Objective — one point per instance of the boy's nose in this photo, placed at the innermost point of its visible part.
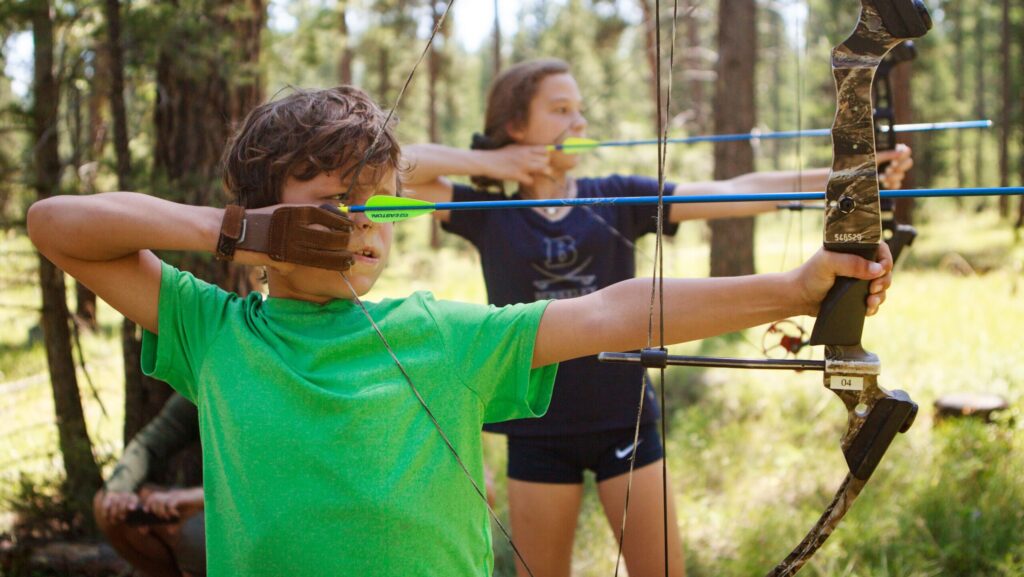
(361, 221)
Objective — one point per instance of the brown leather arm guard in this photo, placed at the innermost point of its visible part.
(288, 235)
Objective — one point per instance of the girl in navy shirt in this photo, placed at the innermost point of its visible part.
(555, 253)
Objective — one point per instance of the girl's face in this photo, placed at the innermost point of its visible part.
(556, 113)
(370, 242)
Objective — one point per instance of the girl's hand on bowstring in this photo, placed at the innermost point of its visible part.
(816, 276)
(521, 163)
(900, 162)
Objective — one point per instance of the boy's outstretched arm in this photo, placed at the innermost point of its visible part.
(105, 241)
(616, 318)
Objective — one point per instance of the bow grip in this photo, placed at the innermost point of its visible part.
(840, 319)
(892, 414)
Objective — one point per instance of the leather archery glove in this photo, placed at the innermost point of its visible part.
(303, 235)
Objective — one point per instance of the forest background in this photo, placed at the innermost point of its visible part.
(105, 95)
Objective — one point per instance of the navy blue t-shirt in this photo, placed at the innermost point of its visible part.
(526, 257)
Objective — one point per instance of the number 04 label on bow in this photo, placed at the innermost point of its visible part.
(846, 383)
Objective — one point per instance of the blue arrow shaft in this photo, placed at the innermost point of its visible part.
(899, 128)
(692, 199)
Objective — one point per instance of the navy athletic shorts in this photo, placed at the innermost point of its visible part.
(564, 458)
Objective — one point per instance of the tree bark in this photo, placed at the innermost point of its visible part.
(496, 47)
(1020, 117)
(956, 15)
(650, 43)
(345, 61)
(434, 69)
(137, 387)
(203, 88)
(384, 74)
(732, 240)
(903, 112)
(1005, 125)
(695, 67)
(85, 299)
(83, 474)
(979, 93)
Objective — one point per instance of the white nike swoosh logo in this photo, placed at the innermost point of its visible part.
(625, 451)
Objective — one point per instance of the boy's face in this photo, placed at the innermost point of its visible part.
(370, 242)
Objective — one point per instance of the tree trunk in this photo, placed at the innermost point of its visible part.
(345, 61)
(732, 240)
(1020, 117)
(903, 113)
(83, 474)
(434, 69)
(245, 24)
(85, 299)
(137, 387)
(779, 34)
(956, 15)
(1005, 125)
(979, 94)
(650, 43)
(384, 73)
(203, 87)
(695, 67)
(496, 47)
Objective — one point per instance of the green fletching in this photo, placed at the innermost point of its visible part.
(411, 207)
(574, 145)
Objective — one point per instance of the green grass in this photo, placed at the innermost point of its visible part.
(753, 456)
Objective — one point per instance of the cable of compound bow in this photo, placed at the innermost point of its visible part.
(898, 235)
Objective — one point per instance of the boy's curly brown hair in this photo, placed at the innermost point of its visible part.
(307, 133)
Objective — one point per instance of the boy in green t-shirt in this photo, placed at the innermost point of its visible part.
(339, 440)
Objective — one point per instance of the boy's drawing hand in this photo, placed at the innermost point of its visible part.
(818, 274)
(519, 163)
(282, 236)
(115, 505)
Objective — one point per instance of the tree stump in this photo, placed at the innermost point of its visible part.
(973, 405)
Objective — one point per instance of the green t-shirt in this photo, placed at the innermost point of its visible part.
(318, 459)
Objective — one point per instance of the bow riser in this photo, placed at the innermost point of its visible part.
(853, 219)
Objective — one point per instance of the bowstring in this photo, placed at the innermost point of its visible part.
(662, 167)
(690, 9)
(657, 287)
(437, 425)
(800, 45)
(380, 334)
(798, 218)
(398, 99)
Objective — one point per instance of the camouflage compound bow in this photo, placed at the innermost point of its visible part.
(852, 225)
